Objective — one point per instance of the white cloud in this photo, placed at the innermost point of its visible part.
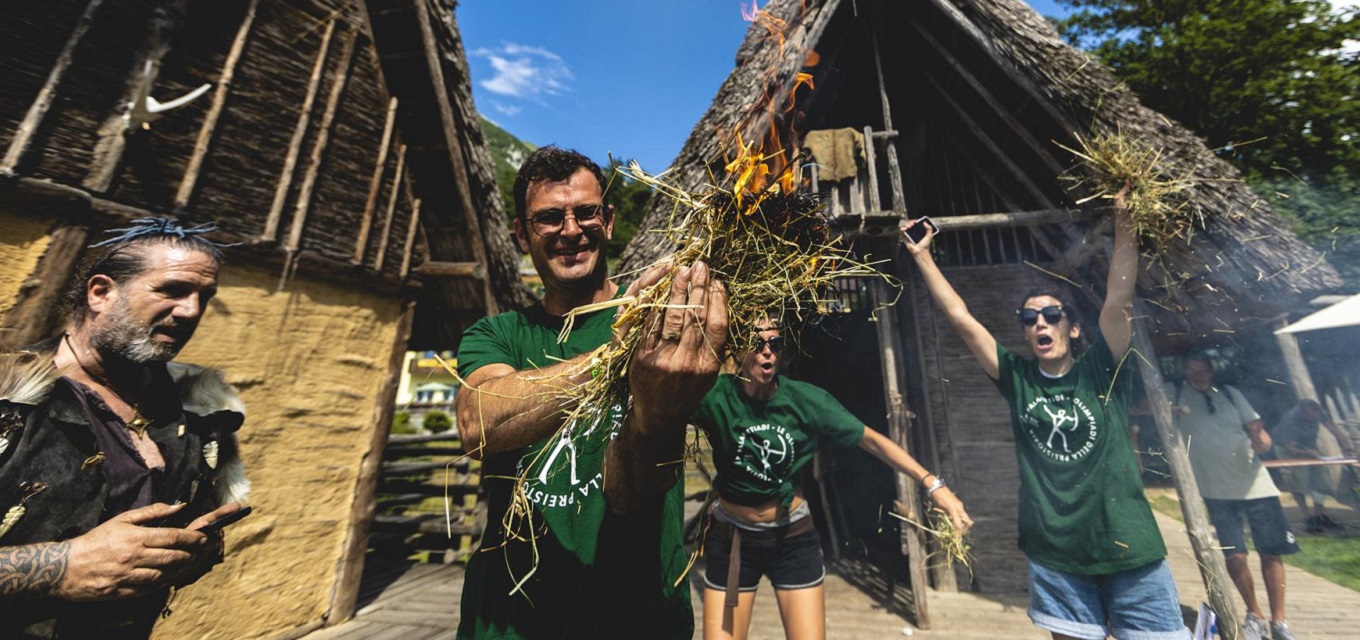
(525, 72)
(507, 109)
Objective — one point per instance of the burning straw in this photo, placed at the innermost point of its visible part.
(1157, 204)
(771, 246)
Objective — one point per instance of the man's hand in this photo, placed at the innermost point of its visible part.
(1260, 440)
(125, 558)
(952, 507)
(676, 360)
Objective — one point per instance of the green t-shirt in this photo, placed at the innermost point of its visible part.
(594, 574)
(1082, 508)
(759, 446)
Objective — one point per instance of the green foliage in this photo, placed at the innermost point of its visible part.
(507, 152)
(1267, 83)
(437, 421)
(1335, 559)
(629, 198)
(401, 423)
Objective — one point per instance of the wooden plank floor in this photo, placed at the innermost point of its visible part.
(420, 602)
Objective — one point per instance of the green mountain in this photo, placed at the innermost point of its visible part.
(507, 152)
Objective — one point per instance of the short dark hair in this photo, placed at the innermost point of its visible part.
(554, 164)
(1201, 356)
(125, 258)
(1073, 314)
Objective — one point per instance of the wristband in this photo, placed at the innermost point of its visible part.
(935, 486)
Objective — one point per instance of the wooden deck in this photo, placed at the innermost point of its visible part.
(420, 602)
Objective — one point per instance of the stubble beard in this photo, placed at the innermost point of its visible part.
(124, 336)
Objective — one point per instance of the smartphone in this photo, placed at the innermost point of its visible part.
(221, 523)
(917, 232)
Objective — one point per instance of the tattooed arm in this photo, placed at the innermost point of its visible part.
(32, 570)
(122, 558)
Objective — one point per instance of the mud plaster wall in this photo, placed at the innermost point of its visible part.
(24, 239)
(309, 363)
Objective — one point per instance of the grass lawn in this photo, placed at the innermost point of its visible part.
(1329, 556)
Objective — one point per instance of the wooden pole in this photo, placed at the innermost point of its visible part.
(205, 133)
(271, 225)
(1299, 377)
(28, 127)
(899, 428)
(34, 315)
(131, 111)
(323, 137)
(411, 228)
(351, 567)
(433, 59)
(890, 145)
(391, 210)
(375, 184)
(1208, 555)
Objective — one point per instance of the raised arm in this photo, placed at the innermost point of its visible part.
(675, 364)
(980, 341)
(1116, 316)
(894, 456)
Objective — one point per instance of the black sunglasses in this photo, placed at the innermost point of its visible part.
(587, 216)
(1052, 315)
(775, 343)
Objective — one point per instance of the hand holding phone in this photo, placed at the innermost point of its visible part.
(917, 232)
(216, 526)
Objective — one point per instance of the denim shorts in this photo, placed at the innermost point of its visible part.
(1137, 604)
(1269, 528)
(791, 562)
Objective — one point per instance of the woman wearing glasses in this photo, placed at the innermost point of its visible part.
(763, 428)
(1096, 559)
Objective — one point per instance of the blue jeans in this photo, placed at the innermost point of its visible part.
(1137, 604)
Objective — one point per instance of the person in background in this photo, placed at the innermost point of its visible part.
(763, 429)
(1296, 437)
(1225, 439)
(1097, 562)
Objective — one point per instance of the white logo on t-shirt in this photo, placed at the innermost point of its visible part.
(1060, 421)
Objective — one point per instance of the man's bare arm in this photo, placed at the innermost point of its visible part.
(501, 409)
(1116, 315)
(32, 570)
(673, 368)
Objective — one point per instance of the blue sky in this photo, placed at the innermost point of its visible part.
(627, 77)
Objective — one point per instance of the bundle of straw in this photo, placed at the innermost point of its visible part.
(1157, 203)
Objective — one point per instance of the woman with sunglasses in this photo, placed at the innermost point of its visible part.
(763, 429)
(1097, 562)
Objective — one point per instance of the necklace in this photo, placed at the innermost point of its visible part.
(138, 422)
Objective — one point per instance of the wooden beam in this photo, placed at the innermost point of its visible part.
(1015, 219)
(35, 313)
(899, 197)
(455, 147)
(1299, 378)
(470, 270)
(219, 102)
(375, 184)
(986, 141)
(986, 95)
(899, 428)
(271, 225)
(1004, 64)
(1208, 555)
(28, 127)
(412, 226)
(398, 179)
(351, 566)
(323, 137)
(130, 113)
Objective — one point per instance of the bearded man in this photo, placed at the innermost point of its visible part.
(112, 458)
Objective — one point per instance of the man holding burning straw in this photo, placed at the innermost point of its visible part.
(1097, 563)
(585, 530)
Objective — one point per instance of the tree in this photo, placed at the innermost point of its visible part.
(629, 198)
(436, 421)
(1269, 84)
(401, 423)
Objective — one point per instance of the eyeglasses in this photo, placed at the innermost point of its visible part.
(775, 343)
(1052, 315)
(588, 217)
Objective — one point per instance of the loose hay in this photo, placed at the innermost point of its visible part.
(1158, 204)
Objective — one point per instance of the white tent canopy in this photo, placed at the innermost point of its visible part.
(1342, 314)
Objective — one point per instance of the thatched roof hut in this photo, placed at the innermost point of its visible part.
(336, 141)
(960, 107)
